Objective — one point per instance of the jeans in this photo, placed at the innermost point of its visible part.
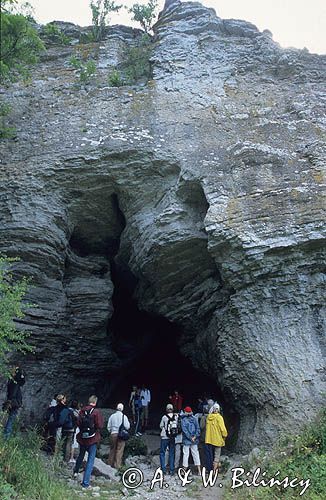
(138, 420)
(209, 456)
(10, 422)
(91, 450)
(166, 443)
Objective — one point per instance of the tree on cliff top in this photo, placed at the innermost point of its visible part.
(144, 14)
(20, 43)
(12, 293)
(101, 10)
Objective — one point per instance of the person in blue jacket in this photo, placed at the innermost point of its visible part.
(190, 438)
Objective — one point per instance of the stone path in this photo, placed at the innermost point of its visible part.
(108, 483)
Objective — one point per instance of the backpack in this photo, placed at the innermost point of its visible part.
(123, 434)
(87, 424)
(172, 428)
(50, 415)
(69, 423)
(138, 403)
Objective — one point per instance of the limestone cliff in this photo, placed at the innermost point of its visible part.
(206, 184)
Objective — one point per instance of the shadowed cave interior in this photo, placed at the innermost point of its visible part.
(149, 348)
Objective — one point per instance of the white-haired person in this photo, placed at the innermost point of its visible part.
(117, 444)
(214, 438)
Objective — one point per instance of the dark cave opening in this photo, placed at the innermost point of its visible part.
(149, 348)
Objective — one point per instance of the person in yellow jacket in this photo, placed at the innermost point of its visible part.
(214, 437)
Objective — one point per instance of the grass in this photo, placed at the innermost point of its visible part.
(23, 474)
(302, 456)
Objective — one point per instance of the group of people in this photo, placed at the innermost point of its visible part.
(70, 426)
(203, 435)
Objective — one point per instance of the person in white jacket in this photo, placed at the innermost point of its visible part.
(118, 445)
(145, 395)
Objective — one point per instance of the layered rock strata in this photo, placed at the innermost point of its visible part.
(206, 183)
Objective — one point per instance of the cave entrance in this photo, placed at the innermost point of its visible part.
(149, 349)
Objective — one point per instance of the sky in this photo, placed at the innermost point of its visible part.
(294, 23)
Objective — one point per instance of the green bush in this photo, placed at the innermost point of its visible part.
(134, 446)
(23, 473)
(144, 14)
(5, 131)
(20, 43)
(101, 9)
(55, 34)
(115, 79)
(12, 293)
(137, 66)
(86, 38)
(86, 69)
(302, 456)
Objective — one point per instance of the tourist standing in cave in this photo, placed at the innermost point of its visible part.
(145, 395)
(115, 422)
(138, 411)
(90, 422)
(177, 400)
(169, 430)
(190, 438)
(215, 437)
(14, 399)
(132, 403)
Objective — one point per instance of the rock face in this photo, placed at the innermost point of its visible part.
(206, 184)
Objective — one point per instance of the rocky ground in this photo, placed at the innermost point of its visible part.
(107, 483)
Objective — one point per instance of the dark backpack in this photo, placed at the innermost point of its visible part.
(123, 434)
(172, 428)
(50, 415)
(87, 424)
(69, 423)
(138, 403)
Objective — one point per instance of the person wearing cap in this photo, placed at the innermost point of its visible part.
(167, 442)
(190, 438)
(118, 445)
(215, 437)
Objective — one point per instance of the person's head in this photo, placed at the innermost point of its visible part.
(74, 404)
(134, 388)
(215, 408)
(188, 410)
(92, 400)
(61, 398)
(210, 403)
(13, 370)
(120, 407)
(169, 408)
(176, 392)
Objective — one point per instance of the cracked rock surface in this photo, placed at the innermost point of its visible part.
(207, 184)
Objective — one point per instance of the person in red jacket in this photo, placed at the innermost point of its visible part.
(90, 422)
(177, 401)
